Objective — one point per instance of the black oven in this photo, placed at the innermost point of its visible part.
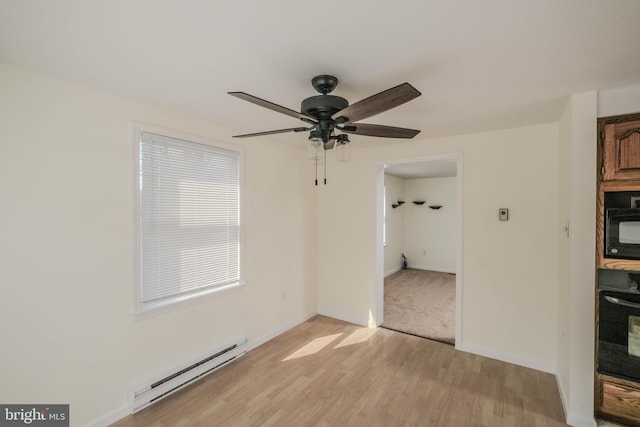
(619, 334)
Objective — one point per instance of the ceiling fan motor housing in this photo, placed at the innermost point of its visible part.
(323, 106)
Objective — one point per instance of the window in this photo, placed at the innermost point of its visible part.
(188, 219)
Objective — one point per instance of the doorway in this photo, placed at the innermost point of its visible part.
(423, 203)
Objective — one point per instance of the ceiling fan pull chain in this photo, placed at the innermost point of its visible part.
(325, 166)
(316, 162)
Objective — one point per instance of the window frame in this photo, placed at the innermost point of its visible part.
(138, 309)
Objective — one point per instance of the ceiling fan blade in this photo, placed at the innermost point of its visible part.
(379, 130)
(377, 103)
(272, 106)
(272, 132)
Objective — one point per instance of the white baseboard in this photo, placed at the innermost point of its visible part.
(111, 417)
(339, 316)
(256, 342)
(432, 268)
(509, 358)
(127, 409)
(395, 270)
(563, 397)
(574, 420)
(580, 421)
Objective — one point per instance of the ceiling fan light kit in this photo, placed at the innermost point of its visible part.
(325, 114)
(343, 152)
(315, 150)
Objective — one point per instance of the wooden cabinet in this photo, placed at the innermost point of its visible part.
(621, 153)
(619, 400)
(616, 399)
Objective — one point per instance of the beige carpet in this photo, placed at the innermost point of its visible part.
(422, 303)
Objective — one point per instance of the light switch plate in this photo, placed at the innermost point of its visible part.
(503, 214)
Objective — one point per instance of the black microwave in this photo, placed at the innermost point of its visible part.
(622, 233)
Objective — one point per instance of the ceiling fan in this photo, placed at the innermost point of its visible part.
(324, 113)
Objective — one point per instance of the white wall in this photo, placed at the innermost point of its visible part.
(509, 268)
(576, 302)
(576, 296)
(619, 101)
(66, 251)
(431, 236)
(394, 224)
(564, 254)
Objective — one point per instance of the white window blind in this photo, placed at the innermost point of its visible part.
(189, 205)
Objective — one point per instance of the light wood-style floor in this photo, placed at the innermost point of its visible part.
(326, 372)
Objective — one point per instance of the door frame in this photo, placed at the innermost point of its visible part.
(377, 313)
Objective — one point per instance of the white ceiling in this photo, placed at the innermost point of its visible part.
(427, 169)
(480, 65)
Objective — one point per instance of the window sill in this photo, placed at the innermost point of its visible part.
(152, 310)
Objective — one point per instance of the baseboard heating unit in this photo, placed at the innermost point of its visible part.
(162, 388)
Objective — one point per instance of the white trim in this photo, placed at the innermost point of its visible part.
(395, 270)
(377, 294)
(136, 130)
(257, 342)
(460, 246)
(563, 396)
(509, 358)
(338, 316)
(377, 291)
(138, 127)
(430, 268)
(135, 310)
(579, 421)
(127, 409)
(187, 302)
